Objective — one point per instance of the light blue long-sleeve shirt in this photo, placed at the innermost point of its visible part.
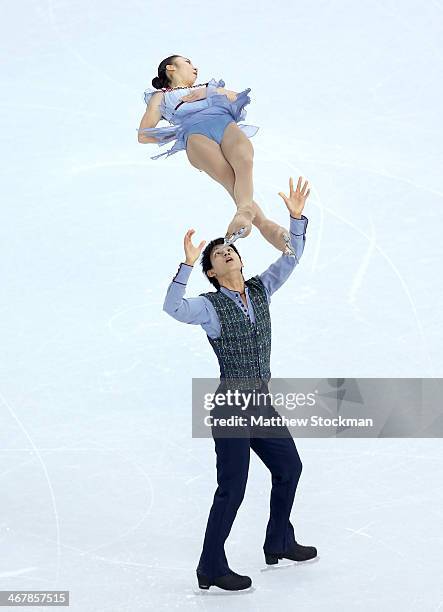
(200, 311)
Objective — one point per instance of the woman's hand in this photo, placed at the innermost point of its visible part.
(192, 252)
(196, 94)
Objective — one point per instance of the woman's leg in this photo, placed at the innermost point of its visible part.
(239, 153)
(206, 155)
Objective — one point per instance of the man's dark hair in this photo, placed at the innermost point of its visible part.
(206, 260)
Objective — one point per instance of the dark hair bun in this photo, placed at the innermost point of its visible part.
(156, 83)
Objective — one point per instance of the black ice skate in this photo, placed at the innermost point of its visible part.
(296, 552)
(228, 582)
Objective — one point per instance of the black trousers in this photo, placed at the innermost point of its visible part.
(276, 448)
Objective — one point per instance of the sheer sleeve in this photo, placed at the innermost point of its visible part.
(213, 84)
(149, 92)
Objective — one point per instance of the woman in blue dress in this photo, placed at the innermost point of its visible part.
(204, 122)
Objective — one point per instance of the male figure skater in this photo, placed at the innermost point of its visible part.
(237, 322)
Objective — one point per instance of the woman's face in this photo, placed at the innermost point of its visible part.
(184, 70)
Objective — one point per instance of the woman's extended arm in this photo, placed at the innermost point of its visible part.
(151, 117)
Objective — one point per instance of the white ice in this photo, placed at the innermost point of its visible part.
(103, 490)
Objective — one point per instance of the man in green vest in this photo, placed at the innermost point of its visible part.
(237, 322)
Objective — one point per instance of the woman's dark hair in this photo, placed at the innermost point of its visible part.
(162, 80)
(206, 260)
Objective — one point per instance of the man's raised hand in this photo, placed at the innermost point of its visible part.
(192, 252)
(296, 200)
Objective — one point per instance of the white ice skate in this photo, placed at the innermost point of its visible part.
(233, 237)
(289, 250)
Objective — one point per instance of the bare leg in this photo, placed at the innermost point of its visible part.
(205, 154)
(239, 153)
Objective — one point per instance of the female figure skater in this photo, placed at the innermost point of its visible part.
(203, 121)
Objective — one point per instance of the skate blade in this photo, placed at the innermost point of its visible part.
(233, 237)
(285, 563)
(215, 591)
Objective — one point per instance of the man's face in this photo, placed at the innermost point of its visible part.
(224, 259)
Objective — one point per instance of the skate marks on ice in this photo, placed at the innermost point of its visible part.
(373, 246)
(47, 478)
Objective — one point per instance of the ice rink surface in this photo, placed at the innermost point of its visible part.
(104, 491)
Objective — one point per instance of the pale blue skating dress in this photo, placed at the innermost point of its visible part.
(190, 113)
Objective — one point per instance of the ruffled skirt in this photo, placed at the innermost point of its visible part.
(216, 105)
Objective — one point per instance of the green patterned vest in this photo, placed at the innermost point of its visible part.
(243, 349)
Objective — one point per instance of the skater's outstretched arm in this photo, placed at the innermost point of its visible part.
(279, 271)
(197, 310)
(151, 117)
